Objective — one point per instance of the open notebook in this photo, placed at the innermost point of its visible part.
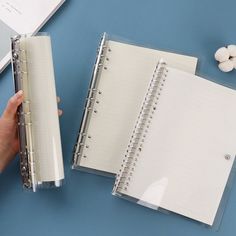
(40, 143)
(182, 148)
(120, 80)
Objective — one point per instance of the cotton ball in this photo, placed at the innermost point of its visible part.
(233, 59)
(222, 54)
(232, 50)
(226, 66)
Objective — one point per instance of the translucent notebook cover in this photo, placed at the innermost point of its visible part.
(181, 154)
(41, 160)
(119, 82)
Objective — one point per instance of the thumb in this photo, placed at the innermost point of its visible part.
(12, 105)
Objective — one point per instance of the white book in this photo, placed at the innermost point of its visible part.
(120, 79)
(182, 148)
(22, 17)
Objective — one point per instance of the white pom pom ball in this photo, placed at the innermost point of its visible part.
(232, 50)
(226, 66)
(233, 59)
(222, 54)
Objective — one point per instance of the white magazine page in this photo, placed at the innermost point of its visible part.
(22, 17)
(26, 16)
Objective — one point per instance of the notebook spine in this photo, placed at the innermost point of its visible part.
(150, 104)
(91, 101)
(20, 75)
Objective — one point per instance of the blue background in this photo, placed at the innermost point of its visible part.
(84, 205)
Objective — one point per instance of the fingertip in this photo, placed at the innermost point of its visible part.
(60, 112)
(19, 97)
(19, 94)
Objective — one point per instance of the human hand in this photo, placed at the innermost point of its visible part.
(9, 142)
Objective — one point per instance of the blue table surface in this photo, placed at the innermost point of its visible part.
(84, 205)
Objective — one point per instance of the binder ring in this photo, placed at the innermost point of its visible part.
(92, 102)
(26, 146)
(142, 126)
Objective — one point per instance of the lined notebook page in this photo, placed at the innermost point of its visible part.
(45, 123)
(182, 165)
(123, 86)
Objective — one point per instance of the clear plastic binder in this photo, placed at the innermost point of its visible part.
(41, 160)
(119, 80)
(181, 154)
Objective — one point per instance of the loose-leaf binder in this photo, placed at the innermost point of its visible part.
(120, 78)
(41, 161)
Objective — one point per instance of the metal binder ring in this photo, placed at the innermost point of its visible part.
(90, 99)
(15, 55)
(142, 125)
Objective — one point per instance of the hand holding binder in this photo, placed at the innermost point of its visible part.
(38, 126)
(9, 143)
